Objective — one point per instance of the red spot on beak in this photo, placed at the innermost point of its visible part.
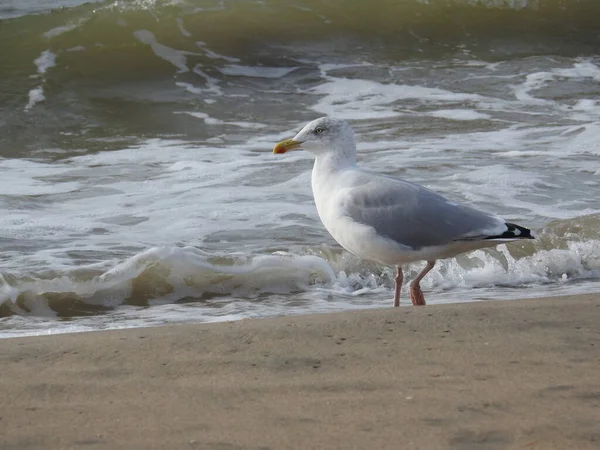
(284, 146)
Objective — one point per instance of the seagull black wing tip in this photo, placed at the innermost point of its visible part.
(514, 231)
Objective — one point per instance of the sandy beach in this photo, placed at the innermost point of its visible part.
(488, 375)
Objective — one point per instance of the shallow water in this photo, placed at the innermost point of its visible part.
(139, 186)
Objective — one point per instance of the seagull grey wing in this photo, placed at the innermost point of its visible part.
(415, 216)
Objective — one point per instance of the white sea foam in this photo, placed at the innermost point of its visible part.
(182, 29)
(212, 121)
(45, 61)
(211, 86)
(36, 95)
(586, 142)
(353, 99)
(213, 55)
(459, 114)
(175, 57)
(256, 72)
(583, 70)
(171, 274)
(57, 31)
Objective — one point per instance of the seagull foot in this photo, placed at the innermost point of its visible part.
(416, 296)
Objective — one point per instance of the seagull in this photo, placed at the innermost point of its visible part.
(386, 219)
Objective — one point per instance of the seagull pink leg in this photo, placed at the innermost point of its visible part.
(399, 278)
(416, 294)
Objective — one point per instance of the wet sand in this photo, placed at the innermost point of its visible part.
(522, 374)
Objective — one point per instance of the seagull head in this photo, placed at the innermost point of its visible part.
(322, 136)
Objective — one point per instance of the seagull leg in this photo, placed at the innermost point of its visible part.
(416, 294)
(399, 278)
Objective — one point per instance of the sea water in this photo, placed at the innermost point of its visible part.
(138, 185)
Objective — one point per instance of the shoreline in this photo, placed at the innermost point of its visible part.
(75, 327)
(478, 375)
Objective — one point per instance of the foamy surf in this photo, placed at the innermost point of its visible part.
(215, 286)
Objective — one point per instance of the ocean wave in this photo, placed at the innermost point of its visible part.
(149, 38)
(77, 68)
(565, 251)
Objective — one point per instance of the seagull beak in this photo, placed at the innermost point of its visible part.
(284, 146)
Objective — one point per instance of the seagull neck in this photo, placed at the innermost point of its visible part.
(333, 162)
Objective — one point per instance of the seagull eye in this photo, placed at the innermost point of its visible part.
(318, 130)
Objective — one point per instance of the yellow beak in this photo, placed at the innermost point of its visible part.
(284, 146)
